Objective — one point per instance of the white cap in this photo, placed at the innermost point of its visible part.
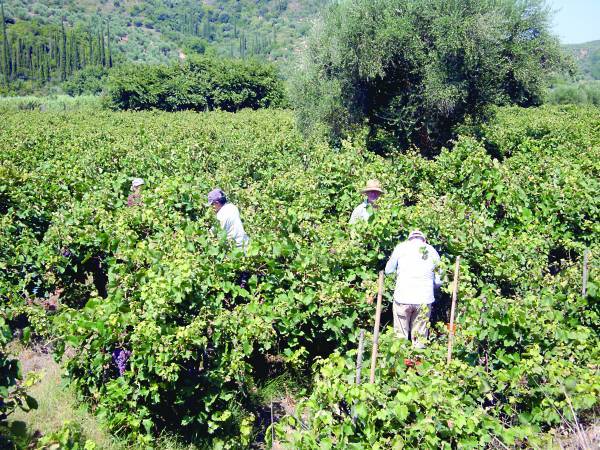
(414, 234)
(137, 182)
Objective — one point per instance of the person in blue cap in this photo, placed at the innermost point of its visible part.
(229, 217)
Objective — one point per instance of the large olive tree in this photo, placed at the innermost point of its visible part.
(413, 69)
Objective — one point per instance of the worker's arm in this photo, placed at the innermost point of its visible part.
(356, 215)
(392, 264)
(437, 271)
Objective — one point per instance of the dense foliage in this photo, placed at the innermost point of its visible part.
(166, 337)
(198, 84)
(528, 342)
(412, 70)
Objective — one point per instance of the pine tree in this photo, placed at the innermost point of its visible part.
(5, 53)
(15, 60)
(63, 52)
(110, 60)
(102, 49)
(91, 48)
(78, 54)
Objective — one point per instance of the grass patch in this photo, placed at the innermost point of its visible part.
(55, 103)
(56, 405)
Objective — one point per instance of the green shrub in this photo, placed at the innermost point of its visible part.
(68, 437)
(581, 93)
(90, 81)
(202, 83)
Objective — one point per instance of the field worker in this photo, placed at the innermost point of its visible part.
(363, 211)
(135, 198)
(416, 264)
(229, 217)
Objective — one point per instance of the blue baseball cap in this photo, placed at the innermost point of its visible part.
(216, 195)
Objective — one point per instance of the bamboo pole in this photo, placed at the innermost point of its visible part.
(452, 309)
(376, 329)
(584, 280)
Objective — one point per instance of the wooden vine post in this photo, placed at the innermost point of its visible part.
(376, 329)
(584, 279)
(361, 347)
(272, 427)
(452, 309)
(359, 356)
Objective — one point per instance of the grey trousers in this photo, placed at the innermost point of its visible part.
(412, 322)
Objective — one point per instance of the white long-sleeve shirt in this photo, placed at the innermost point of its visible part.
(229, 218)
(361, 212)
(416, 265)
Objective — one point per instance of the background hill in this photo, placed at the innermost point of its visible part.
(159, 30)
(587, 56)
(47, 42)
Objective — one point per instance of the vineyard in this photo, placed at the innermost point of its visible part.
(146, 304)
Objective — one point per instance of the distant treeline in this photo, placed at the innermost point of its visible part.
(585, 92)
(41, 53)
(200, 84)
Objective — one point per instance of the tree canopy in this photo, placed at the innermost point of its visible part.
(413, 69)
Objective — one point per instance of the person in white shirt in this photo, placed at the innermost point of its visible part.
(416, 264)
(229, 218)
(362, 212)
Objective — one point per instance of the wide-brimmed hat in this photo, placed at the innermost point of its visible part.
(137, 182)
(373, 186)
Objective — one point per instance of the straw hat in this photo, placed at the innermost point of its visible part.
(373, 185)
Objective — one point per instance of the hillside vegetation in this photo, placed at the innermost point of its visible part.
(167, 339)
(158, 30)
(587, 56)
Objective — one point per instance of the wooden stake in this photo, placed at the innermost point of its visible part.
(584, 281)
(452, 309)
(361, 346)
(359, 356)
(376, 329)
(272, 427)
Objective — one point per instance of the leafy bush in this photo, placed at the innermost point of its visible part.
(13, 388)
(55, 103)
(167, 338)
(582, 93)
(199, 84)
(90, 81)
(69, 436)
